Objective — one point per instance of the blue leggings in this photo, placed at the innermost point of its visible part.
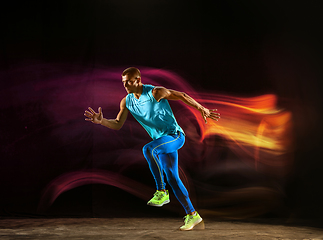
(161, 155)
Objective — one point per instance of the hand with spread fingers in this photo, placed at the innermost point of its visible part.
(209, 113)
(94, 117)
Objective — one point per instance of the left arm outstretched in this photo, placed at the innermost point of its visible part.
(161, 92)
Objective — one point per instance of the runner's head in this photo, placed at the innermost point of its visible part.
(131, 79)
(132, 72)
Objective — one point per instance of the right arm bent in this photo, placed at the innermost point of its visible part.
(115, 124)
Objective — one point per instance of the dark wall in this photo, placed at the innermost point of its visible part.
(51, 50)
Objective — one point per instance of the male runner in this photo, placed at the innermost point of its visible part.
(149, 106)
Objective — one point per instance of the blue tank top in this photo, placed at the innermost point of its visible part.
(157, 118)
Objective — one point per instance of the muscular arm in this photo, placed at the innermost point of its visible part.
(161, 92)
(115, 124)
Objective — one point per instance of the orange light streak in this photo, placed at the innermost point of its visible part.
(254, 128)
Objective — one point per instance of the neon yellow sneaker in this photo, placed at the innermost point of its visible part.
(160, 198)
(191, 221)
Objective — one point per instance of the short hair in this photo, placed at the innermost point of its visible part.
(132, 71)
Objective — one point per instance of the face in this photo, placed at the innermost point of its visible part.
(130, 83)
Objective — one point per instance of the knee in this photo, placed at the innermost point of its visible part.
(146, 150)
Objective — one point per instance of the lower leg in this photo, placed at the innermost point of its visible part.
(154, 165)
(170, 166)
(182, 196)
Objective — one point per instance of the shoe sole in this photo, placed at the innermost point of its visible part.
(198, 226)
(158, 205)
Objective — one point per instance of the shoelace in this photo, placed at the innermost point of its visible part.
(159, 195)
(187, 218)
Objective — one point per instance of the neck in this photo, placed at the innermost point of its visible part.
(138, 93)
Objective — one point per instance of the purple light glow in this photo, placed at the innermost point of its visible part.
(257, 134)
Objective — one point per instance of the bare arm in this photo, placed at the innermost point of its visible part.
(115, 124)
(161, 92)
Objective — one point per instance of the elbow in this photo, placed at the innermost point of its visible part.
(118, 126)
(183, 96)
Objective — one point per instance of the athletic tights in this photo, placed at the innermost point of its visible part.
(161, 155)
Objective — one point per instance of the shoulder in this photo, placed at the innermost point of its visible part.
(160, 93)
(159, 89)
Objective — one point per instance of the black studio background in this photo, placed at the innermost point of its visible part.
(243, 48)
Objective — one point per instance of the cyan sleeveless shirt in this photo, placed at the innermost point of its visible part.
(157, 118)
